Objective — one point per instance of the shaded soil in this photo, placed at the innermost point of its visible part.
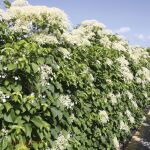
(141, 139)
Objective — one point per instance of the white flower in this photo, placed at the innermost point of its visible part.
(124, 126)
(76, 37)
(4, 100)
(138, 80)
(3, 76)
(23, 15)
(124, 70)
(126, 73)
(20, 3)
(4, 132)
(129, 94)
(137, 52)
(45, 39)
(105, 42)
(116, 143)
(144, 73)
(98, 62)
(72, 117)
(65, 52)
(107, 31)
(7, 96)
(66, 101)
(2, 97)
(145, 94)
(113, 98)
(5, 68)
(120, 46)
(92, 23)
(16, 78)
(103, 116)
(109, 62)
(122, 60)
(61, 142)
(91, 77)
(46, 72)
(128, 113)
(134, 104)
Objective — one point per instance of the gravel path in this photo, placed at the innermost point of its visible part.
(141, 139)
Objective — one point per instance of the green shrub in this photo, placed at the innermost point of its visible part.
(61, 89)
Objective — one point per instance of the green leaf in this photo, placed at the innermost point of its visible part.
(7, 4)
(35, 145)
(7, 106)
(76, 130)
(56, 113)
(37, 121)
(28, 69)
(11, 66)
(4, 143)
(35, 67)
(10, 117)
(18, 88)
(21, 146)
(54, 133)
(40, 60)
(28, 129)
(1, 67)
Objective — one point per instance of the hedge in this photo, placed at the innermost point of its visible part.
(82, 88)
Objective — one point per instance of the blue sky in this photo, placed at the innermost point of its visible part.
(130, 18)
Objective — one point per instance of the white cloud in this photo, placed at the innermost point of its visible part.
(140, 37)
(148, 37)
(143, 37)
(123, 30)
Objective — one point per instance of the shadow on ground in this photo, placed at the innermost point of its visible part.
(141, 139)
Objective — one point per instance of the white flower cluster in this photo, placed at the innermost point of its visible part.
(116, 143)
(61, 142)
(113, 98)
(72, 117)
(104, 32)
(124, 69)
(45, 39)
(129, 94)
(4, 132)
(130, 117)
(120, 45)
(21, 26)
(65, 52)
(3, 97)
(105, 42)
(20, 3)
(103, 116)
(124, 126)
(137, 52)
(76, 37)
(46, 72)
(109, 62)
(91, 24)
(3, 75)
(66, 101)
(85, 32)
(21, 17)
(143, 76)
(134, 104)
(91, 78)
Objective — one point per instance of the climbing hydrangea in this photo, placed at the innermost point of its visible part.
(103, 116)
(64, 87)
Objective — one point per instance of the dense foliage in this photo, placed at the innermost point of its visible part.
(61, 88)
